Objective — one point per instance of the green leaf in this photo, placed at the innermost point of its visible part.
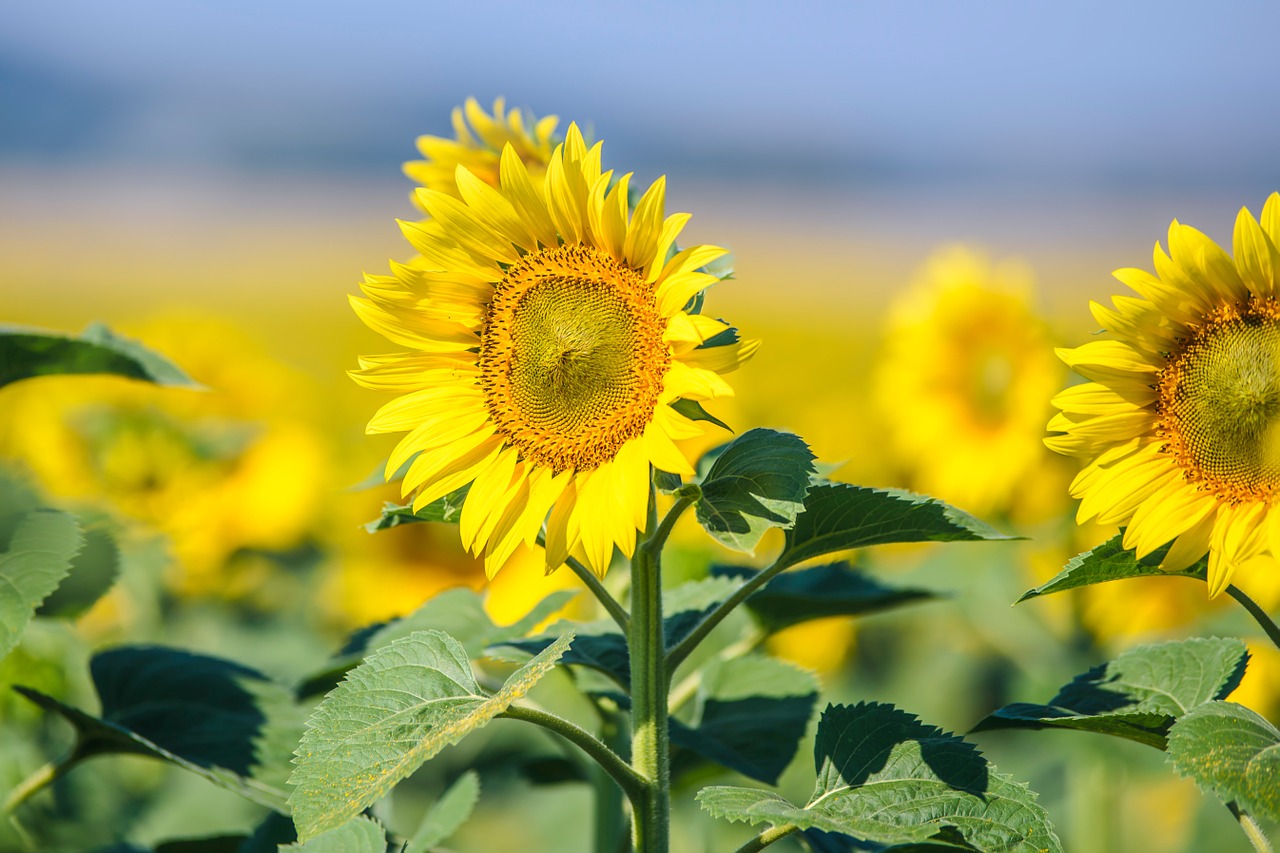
(666, 482)
(457, 612)
(838, 516)
(1139, 694)
(832, 589)
(1111, 562)
(448, 814)
(757, 481)
(749, 715)
(26, 353)
(40, 554)
(93, 572)
(447, 509)
(887, 778)
(693, 410)
(218, 719)
(361, 835)
(1230, 750)
(404, 704)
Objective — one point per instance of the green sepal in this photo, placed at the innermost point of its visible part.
(693, 410)
(1233, 752)
(26, 353)
(447, 509)
(1137, 696)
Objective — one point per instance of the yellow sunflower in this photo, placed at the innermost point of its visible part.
(962, 380)
(549, 343)
(478, 146)
(1181, 418)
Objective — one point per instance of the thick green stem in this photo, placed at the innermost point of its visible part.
(627, 778)
(1259, 615)
(767, 837)
(650, 747)
(1251, 829)
(677, 655)
(610, 828)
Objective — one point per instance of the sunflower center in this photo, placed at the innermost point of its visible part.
(1220, 403)
(572, 357)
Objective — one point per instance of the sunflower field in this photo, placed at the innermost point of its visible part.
(684, 470)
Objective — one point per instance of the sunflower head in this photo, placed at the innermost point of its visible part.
(478, 140)
(548, 338)
(1180, 421)
(962, 379)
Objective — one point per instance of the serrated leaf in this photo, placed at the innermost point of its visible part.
(458, 612)
(447, 814)
(27, 353)
(831, 589)
(220, 720)
(447, 510)
(749, 715)
(361, 835)
(93, 572)
(40, 554)
(1111, 562)
(757, 481)
(839, 516)
(1232, 751)
(1139, 694)
(885, 777)
(404, 704)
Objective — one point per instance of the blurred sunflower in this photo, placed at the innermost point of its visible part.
(549, 343)
(962, 379)
(478, 144)
(1181, 418)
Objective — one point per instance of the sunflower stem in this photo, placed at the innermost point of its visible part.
(34, 784)
(606, 758)
(1259, 615)
(1251, 829)
(616, 610)
(767, 837)
(682, 649)
(650, 748)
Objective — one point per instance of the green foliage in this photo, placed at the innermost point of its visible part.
(887, 778)
(693, 410)
(361, 835)
(1138, 695)
(749, 715)
(1111, 562)
(457, 612)
(447, 509)
(1231, 751)
(39, 556)
(218, 719)
(26, 353)
(838, 517)
(816, 592)
(93, 572)
(400, 707)
(447, 815)
(754, 482)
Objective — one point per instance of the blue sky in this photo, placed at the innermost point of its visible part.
(1125, 94)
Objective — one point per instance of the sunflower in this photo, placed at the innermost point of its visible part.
(1181, 419)
(478, 147)
(550, 340)
(962, 379)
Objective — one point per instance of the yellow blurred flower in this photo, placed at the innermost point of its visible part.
(479, 138)
(962, 380)
(1180, 422)
(822, 645)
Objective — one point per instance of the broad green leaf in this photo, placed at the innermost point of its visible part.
(447, 509)
(1111, 562)
(40, 554)
(838, 516)
(404, 704)
(25, 353)
(749, 715)
(832, 589)
(1233, 752)
(1139, 694)
(448, 814)
(93, 572)
(361, 835)
(458, 612)
(755, 482)
(218, 719)
(887, 778)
